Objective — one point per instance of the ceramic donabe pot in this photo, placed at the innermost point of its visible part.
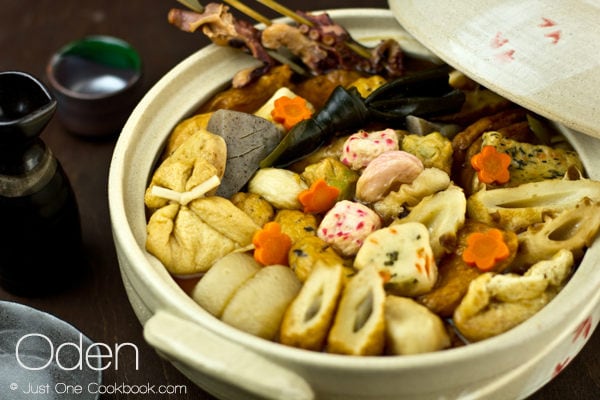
(232, 364)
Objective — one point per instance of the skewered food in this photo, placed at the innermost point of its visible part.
(322, 44)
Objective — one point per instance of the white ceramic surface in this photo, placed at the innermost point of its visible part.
(543, 55)
(231, 364)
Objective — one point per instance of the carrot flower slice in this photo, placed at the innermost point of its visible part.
(484, 249)
(491, 165)
(289, 111)
(320, 197)
(271, 245)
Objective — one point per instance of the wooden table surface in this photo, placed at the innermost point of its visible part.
(98, 306)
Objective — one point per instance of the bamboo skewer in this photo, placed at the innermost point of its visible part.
(261, 18)
(238, 5)
(358, 49)
(279, 8)
(283, 10)
(193, 5)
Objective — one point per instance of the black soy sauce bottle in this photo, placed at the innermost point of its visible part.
(40, 231)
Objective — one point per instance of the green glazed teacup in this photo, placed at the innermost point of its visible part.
(96, 81)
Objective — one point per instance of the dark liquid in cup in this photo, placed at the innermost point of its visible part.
(89, 77)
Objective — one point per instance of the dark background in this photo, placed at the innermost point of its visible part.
(29, 32)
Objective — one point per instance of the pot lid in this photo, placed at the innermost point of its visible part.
(542, 55)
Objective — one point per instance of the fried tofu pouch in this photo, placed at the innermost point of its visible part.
(201, 156)
(496, 303)
(184, 130)
(189, 239)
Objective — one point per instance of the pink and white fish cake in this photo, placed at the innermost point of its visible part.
(362, 147)
(346, 226)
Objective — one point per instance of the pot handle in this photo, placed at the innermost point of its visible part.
(186, 342)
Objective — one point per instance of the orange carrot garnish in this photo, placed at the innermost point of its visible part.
(491, 165)
(290, 111)
(271, 245)
(320, 197)
(484, 249)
